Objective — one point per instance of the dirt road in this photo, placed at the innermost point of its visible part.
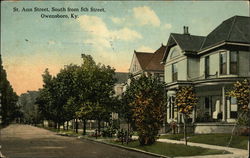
(24, 141)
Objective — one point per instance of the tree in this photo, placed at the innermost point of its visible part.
(241, 92)
(147, 100)
(99, 81)
(185, 100)
(9, 109)
(29, 108)
(65, 96)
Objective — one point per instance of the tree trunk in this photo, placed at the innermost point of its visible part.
(67, 125)
(84, 127)
(99, 126)
(76, 125)
(185, 129)
(57, 126)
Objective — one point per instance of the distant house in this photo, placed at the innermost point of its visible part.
(211, 64)
(148, 63)
(122, 78)
(119, 87)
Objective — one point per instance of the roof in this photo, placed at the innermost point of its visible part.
(155, 62)
(187, 42)
(121, 77)
(143, 58)
(234, 29)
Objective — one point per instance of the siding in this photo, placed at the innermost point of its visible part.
(244, 64)
(193, 67)
(168, 73)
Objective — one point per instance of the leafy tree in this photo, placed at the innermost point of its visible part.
(9, 108)
(241, 91)
(99, 82)
(147, 100)
(125, 111)
(29, 108)
(67, 95)
(186, 100)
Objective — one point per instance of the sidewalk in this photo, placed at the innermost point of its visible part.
(235, 153)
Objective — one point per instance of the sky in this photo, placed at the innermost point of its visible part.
(30, 43)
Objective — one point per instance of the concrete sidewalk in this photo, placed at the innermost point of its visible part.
(236, 153)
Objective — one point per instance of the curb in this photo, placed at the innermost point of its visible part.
(127, 148)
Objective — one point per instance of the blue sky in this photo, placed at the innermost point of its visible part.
(29, 43)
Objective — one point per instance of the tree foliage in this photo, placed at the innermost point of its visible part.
(29, 108)
(241, 91)
(186, 101)
(9, 109)
(146, 99)
(78, 92)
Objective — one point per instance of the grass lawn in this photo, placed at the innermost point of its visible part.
(213, 139)
(71, 132)
(172, 150)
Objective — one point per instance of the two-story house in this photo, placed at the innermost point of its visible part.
(211, 64)
(148, 63)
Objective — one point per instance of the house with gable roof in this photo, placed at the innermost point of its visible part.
(211, 64)
(148, 63)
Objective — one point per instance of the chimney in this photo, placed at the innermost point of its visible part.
(185, 28)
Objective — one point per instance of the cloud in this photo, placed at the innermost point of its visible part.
(146, 16)
(51, 42)
(126, 34)
(145, 49)
(100, 35)
(93, 25)
(167, 26)
(118, 20)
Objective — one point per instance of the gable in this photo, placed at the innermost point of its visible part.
(135, 65)
(174, 52)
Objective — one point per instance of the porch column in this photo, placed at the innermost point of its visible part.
(228, 109)
(223, 105)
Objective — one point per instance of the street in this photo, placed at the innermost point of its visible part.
(25, 141)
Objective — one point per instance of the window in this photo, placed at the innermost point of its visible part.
(174, 72)
(207, 73)
(233, 62)
(223, 63)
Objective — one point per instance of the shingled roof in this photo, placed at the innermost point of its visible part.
(143, 58)
(234, 29)
(190, 44)
(187, 42)
(155, 61)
